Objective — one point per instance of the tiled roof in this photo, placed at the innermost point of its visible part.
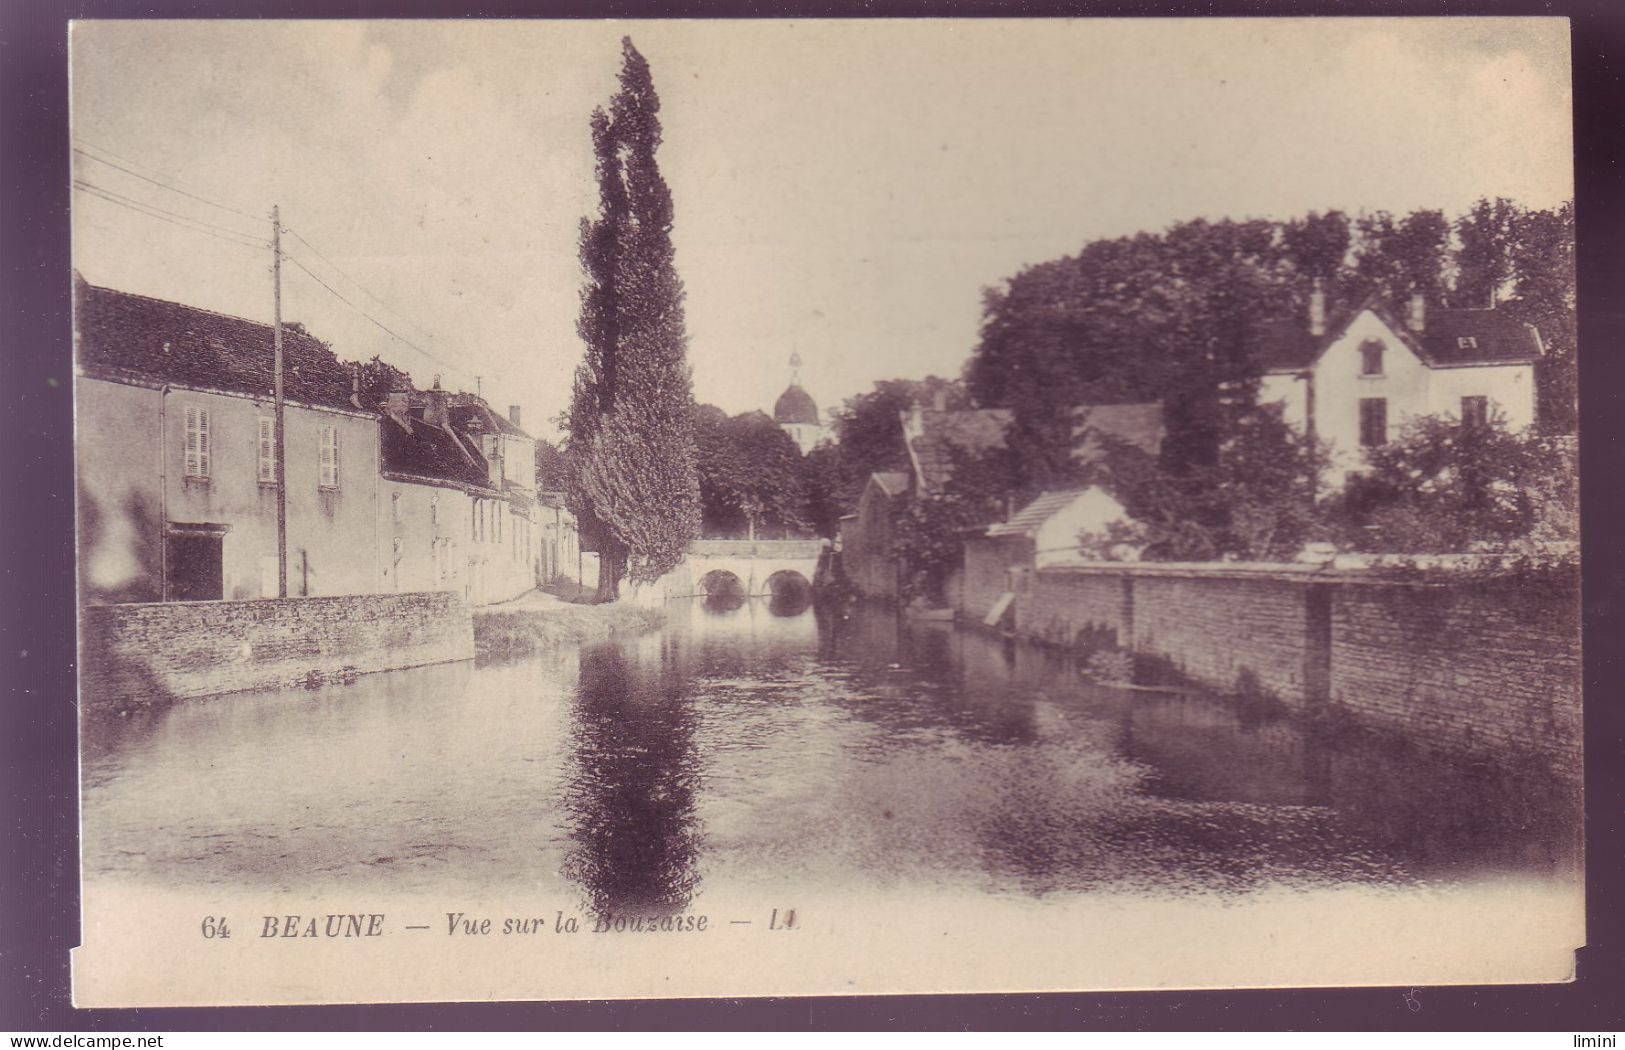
(977, 430)
(970, 431)
(467, 407)
(134, 338)
(891, 482)
(1137, 423)
(1449, 338)
(425, 451)
(1028, 519)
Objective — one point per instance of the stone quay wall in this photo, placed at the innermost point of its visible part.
(1466, 663)
(134, 655)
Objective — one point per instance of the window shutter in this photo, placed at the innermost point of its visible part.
(202, 442)
(191, 442)
(330, 457)
(267, 449)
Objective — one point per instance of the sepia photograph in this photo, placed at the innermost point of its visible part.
(662, 509)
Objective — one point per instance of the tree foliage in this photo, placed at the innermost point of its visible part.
(1446, 486)
(751, 475)
(1173, 316)
(930, 531)
(869, 429)
(1255, 502)
(630, 454)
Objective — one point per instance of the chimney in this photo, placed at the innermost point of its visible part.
(939, 400)
(513, 415)
(398, 402)
(355, 388)
(434, 409)
(1317, 310)
(1417, 320)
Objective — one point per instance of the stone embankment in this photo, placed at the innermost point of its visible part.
(542, 621)
(1464, 661)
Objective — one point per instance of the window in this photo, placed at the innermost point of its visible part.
(1373, 421)
(1371, 358)
(267, 447)
(330, 458)
(1466, 342)
(197, 442)
(1475, 411)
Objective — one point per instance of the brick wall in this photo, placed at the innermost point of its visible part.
(142, 654)
(1234, 634)
(1462, 664)
(1073, 610)
(1477, 665)
(985, 574)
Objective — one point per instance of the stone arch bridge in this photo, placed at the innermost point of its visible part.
(752, 567)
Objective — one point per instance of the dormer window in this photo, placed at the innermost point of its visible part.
(1466, 342)
(1371, 358)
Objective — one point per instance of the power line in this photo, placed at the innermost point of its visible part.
(168, 185)
(317, 252)
(384, 327)
(174, 218)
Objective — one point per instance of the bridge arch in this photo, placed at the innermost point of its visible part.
(723, 589)
(790, 592)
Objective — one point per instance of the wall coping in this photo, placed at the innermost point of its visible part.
(1278, 571)
(311, 599)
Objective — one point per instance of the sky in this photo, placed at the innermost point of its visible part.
(844, 190)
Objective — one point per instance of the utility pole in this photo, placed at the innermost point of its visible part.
(281, 460)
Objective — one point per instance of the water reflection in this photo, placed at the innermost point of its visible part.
(756, 748)
(630, 797)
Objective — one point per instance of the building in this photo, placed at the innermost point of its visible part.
(938, 437)
(177, 482)
(432, 480)
(506, 540)
(176, 469)
(796, 412)
(998, 564)
(867, 559)
(1355, 380)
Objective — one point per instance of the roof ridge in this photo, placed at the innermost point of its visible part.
(298, 327)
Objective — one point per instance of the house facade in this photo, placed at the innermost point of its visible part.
(176, 475)
(177, 483)
(1354, 382)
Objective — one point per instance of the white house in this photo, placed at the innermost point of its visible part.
(1054, 520)
(1353, 382)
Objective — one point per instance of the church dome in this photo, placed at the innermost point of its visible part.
(795, 405)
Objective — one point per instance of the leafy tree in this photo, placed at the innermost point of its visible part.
(1256, 502)
(551, 466)
(869, 428)
(631, 478)
(1446, 486)
(377, 378)
(750, 472)
(1396, 258)
(1484, 253)
(824, 481)
(1544, 295)
(931, 529)
(1153, 317)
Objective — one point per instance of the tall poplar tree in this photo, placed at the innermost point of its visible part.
(630, 451)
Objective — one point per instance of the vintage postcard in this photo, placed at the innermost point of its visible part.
(663, 509)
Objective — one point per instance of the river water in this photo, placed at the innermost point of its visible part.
(770, 754)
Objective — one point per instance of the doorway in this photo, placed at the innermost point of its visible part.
(194, 563)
